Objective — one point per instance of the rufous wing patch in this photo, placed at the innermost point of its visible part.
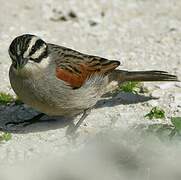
(83, 71)
(73, 80)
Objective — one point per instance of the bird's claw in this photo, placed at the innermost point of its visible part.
(26, 122)
(23, 123)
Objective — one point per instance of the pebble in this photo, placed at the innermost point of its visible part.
(178, 84)
(177, 99)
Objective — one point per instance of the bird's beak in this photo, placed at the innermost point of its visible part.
(21, 62)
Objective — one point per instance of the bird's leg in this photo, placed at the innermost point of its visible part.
(74, 128)
(84, 115)
(27, 122)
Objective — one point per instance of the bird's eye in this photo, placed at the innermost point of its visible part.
(33, 48)
(31, 59)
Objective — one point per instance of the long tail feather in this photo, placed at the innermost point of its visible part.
(121, 76)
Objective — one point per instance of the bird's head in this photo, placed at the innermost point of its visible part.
(26, 49)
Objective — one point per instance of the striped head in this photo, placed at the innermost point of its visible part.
(27, 48)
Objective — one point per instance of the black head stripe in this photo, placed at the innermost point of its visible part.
(23, 42)
(12, 48)
(21, 52)
(38, 44)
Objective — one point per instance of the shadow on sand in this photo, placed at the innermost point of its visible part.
(16, 113)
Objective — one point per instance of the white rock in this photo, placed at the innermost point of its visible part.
(177, 96)
(157, 93)
(153, 103)
(166, 85)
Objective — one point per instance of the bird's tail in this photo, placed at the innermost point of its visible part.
(122, 76)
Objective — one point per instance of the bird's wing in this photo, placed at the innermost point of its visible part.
(75, 68)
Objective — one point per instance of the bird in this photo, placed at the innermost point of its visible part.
(59, 81)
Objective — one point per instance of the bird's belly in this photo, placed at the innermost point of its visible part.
(49, 103)
(52, 97)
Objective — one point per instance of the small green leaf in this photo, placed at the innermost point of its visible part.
(5, 98)
(156, 113)
(5, 136)
(176, 121)
(132, 87)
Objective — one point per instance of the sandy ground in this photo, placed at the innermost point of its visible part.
(142, 34)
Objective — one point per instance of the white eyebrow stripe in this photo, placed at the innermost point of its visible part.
(18, 49)
(38, 52)
(32, 42)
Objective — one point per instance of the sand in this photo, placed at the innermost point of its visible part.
(143, 35)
